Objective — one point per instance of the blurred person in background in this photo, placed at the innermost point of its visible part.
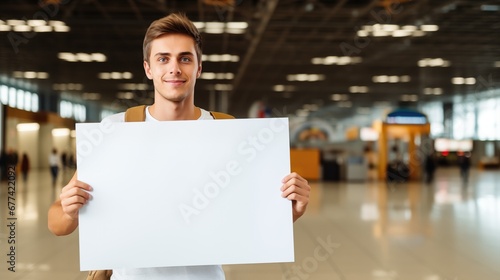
(464, 164)
(25, 166)
(54, 164)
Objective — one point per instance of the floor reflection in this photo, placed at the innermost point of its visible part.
(443, 231)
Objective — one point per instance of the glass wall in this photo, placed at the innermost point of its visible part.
(18, 98)
(68, 109)
(476, 116)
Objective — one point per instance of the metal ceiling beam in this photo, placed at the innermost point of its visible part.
(268, 11)
(135, 9)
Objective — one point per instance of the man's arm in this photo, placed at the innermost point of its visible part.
(63, 214)
(296, 189)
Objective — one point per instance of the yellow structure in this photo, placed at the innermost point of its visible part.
(407, 133)
(306, 162)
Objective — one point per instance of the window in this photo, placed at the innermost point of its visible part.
(4, 94)
(464, 120)
(18, 98)
(68, 109)
(435, 116)
(12, 97)
(487, 119)
(27, 100)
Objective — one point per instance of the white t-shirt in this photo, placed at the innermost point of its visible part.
(203, 272)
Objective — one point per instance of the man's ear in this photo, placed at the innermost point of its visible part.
(147, 70)
(198, 73)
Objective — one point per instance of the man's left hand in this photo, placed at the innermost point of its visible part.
(296, 189)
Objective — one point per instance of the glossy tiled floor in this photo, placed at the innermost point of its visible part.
(352, 231)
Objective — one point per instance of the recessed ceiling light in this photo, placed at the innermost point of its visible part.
(429, 28)
(223, 87)
(339, 97)
(409, 97)
(463, 80)
(305, 77)
(385, 30)
(43, 28)
(21, 28)
(14, 22)
(222, 27)
(358, 89)
(216, 76)
(220, 58)
(115, 75)
(132, 86)
(470, 81)
(433, 62)
(36, 22)
(433, 91)
(30, 75)
(82, 57)
(59, 28)
(125, 95)
(91, 96)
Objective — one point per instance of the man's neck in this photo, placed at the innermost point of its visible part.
(174, 111)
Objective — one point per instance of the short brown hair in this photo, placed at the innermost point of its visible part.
(175, 23)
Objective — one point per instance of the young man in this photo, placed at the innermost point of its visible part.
(172, 59)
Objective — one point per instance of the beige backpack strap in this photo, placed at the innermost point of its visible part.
(136, 114)
(219, 115)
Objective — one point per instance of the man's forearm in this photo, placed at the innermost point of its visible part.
(59, 223)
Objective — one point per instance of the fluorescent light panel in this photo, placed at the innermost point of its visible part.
(30, 75)
(463, 80)
(68, 86)
(282, 88)
(358, 89)
(409, 97)
(339, 97)
(60, 132)
(220, 58)
(82, 57)
(391, 79)
(336, 60)
(433, 62)
(305, 77)
(216, 76)
(33, 25)
(433, 91)
(22, 127)
(222, 27)
(115, 75)
(386, 30)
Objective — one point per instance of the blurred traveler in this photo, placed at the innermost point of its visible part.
(54, 165)
(430, 168)
(464, 164)
(25, 166)
(64, 160)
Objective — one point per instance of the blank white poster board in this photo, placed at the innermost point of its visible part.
(184, 193)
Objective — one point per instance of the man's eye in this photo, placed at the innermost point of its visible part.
(162, 59)
(185, 59)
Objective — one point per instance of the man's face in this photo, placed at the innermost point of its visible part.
(173, 67)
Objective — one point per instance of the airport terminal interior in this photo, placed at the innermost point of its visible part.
(392, 106)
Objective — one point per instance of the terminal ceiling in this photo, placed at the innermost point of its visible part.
(331, 42)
